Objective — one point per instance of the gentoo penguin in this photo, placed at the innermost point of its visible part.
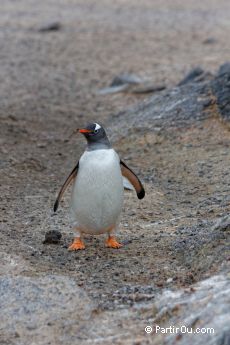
(97, 195)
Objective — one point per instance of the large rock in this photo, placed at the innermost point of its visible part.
(221, 89)
(203, 310)
(41, 310)
(194, 100)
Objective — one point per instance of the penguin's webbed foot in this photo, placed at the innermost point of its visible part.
(77, 244)
(111, 242)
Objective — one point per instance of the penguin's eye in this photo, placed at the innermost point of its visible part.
(96, 131)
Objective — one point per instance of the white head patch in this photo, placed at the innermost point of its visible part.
(97, 126)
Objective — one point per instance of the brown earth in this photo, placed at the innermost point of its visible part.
(49, 84)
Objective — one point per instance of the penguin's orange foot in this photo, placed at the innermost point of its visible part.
(111, 242)
(77, 244)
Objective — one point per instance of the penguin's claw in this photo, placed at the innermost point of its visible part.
(111, 242)
(77, 244)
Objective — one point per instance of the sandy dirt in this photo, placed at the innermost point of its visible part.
(49, 84)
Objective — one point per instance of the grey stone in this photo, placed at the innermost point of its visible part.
(191, 76)
(223, 224)
(41, 309)
(130, 83)
(180, 106)
(205, 306)
(221, 89)
(210, 40)
(54, 26)
(52, 236)
(126, 78)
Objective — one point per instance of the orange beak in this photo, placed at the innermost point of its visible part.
(83, 130)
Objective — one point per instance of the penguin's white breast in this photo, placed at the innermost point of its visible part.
(97, 196)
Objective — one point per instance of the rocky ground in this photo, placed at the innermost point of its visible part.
(173, 268)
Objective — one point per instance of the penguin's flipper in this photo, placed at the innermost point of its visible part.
(133, 179)
(71, 176)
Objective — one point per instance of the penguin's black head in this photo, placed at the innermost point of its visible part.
(95, 134)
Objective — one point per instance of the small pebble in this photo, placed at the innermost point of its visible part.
(52, 236)
(169, 280)
(55, 26)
